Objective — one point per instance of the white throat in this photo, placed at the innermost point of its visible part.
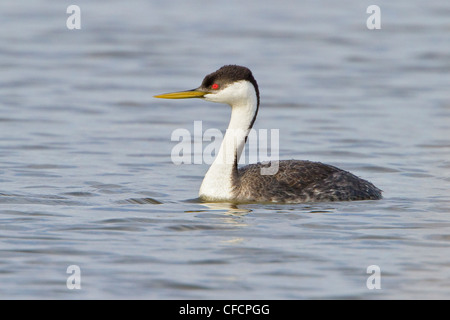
(218, 181)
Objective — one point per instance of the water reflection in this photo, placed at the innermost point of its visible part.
(230, 208)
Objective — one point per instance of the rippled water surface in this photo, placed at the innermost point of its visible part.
(86, 176)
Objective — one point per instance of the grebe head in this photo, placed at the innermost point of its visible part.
(231, 84)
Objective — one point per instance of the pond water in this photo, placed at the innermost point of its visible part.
(87, 178)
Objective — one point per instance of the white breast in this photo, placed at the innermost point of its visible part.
(218, 181)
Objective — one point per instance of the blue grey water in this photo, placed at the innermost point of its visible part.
(87, 179)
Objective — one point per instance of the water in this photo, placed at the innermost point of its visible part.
(86, 176)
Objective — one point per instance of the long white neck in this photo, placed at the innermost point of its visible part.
(218, 181)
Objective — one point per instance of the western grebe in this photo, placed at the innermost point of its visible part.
(295, 181)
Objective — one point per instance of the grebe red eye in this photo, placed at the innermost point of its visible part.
(215, 86)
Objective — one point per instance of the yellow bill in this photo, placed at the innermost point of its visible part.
(182, 94)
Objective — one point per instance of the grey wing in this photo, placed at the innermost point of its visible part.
(302, 181)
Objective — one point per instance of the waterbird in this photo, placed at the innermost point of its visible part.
(290, 181)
